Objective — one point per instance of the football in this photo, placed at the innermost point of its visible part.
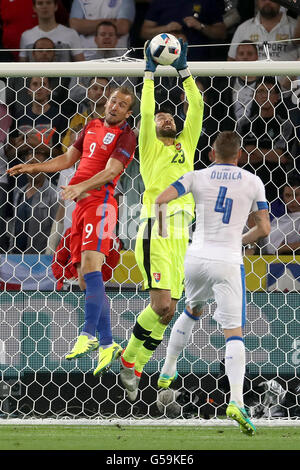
(165, 48)
(167, 404)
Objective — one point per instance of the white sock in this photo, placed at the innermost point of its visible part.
(235, 363)
(179, 339)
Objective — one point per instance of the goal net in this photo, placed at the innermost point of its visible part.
(43, 107)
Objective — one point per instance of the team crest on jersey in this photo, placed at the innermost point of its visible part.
(108, 138)
(156, 277)
(178, 146)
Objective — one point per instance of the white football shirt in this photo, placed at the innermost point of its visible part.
(224, 195)
(279, 47)
(103, 10)
(64, 38)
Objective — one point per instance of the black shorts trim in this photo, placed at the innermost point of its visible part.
(146, 250)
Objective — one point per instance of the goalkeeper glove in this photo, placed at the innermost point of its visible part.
(180, 64)
(150, 64)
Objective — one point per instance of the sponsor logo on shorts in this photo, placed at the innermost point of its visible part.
(108, 138)
(156, 277)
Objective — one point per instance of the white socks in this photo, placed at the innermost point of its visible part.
(235, 363)
(235, 357)
(179, 339)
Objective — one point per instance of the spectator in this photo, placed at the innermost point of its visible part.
(233, 105)
(43, 51)
(202, 23)
(40, 124)
(284, 238)
(268, 138)
(85, 17)
(16, 17)
(35, 208)
(63, 37)
(129, 190)
(63, 219)
(106, 38)
(269, 25)
(92, 100)
(5, 124)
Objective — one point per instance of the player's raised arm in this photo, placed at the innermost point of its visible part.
(147, 132)
(194, 117)
(66, 160)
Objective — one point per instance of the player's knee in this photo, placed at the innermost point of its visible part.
(162, 308)
(165, 319)
(91, 261)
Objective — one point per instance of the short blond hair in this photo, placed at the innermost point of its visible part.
(227, 145)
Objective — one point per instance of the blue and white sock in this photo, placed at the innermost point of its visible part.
(235, 365)
(104, 326)
(179, 339)
(94, 295)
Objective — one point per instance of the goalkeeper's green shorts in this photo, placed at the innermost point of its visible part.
(161, 260)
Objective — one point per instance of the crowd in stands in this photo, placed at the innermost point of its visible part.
(40, 116)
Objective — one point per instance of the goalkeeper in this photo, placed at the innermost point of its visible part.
(163, 159)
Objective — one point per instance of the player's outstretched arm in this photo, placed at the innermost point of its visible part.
(78, 191)
(180, 64)
(150, 65)
(167, 195)
(261, 228)
(147, 134)
(66, 160)
(194, 117)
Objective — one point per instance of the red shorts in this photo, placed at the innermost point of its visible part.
(93, 223)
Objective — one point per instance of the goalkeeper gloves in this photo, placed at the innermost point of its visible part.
(150, 64)
(180, 64)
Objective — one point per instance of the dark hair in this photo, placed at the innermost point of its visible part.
(250, 43)
(164, 108)
(28, 81)
(280, 106)
(98, 78)
(54, 1)
(293, 180)
(43, 39)
(271, 81)
(227, 144)
(126, 90)
(106, 23)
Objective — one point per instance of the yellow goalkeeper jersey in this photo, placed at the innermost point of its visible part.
(161, 165)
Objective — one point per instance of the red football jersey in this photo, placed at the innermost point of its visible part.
(97, 144)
